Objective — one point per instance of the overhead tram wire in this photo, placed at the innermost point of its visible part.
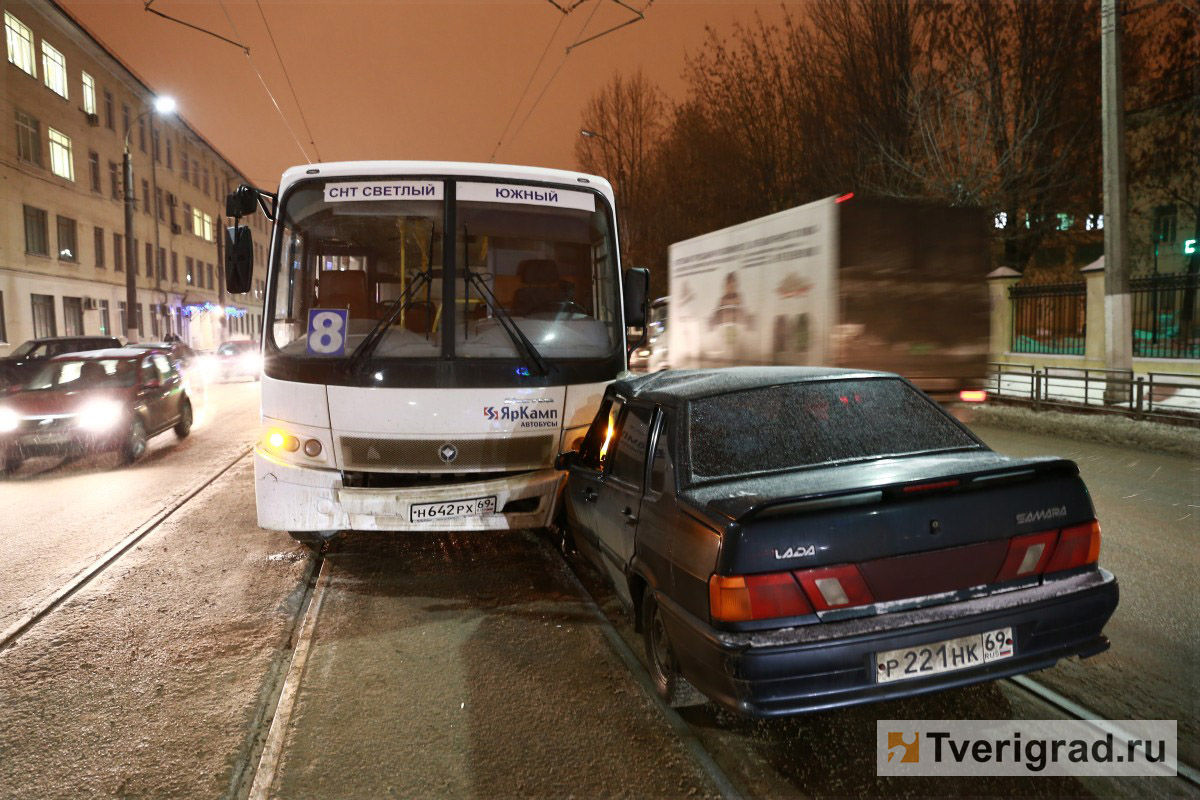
(266, 88)
(554, 75)
(246, 50)
(532, 75)
(299, 108)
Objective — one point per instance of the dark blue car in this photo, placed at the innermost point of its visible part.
(796, 539)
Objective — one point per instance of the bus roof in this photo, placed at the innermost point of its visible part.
(454, 168)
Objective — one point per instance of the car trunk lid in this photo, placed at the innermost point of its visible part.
(922, 525)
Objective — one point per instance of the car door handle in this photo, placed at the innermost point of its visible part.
(589, 495)
(630, 517)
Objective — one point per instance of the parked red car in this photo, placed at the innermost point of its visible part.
(103, 400)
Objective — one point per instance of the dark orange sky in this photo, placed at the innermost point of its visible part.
(396, 78)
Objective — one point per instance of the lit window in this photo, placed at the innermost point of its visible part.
(20, 44)
(61, 163)
(209, 235)
(197, 222)
(1001, 219)
(54, 67)
(1065, 222)
(89, 94)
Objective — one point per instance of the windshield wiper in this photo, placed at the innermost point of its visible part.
(531, 354)
(375, 335)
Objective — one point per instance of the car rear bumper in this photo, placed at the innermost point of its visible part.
(832, 665)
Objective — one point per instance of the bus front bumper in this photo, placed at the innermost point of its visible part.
(294, 498)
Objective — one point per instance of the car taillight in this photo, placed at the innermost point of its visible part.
(834, 587)
(1078, 546)
(972, 395)
(1027, 555)
(739, 598)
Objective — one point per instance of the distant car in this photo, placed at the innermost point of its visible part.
(97, 401)
(651, 355)
(25, 358)
(797, 539)
(239, 359)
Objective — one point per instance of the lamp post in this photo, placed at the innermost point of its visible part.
(587, 134)
(133, 323)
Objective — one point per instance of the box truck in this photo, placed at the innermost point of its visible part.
(844, 281)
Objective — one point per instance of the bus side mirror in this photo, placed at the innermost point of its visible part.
(241, 203)
(637, 293)
(239, 259)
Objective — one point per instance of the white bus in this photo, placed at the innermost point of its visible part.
(434, 334)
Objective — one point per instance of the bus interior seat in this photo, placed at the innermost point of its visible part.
(541, 287)
(344, 289)
(419, 317)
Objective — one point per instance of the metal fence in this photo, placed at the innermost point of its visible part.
(1049, 319)
(1164, 396)
(1164, 309)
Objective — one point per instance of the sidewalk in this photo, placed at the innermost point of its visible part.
(1103, 428)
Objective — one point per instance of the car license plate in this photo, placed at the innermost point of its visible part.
(470, 507)
(948, 656)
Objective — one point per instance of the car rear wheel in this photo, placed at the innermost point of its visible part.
(184, 426)
(670, 685)
(134, 446)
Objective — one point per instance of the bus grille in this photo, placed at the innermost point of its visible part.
(426, 455)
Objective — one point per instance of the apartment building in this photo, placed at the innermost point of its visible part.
(71, 105)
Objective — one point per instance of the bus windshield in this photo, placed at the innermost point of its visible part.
(539, 259)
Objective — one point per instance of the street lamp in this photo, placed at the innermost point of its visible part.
(133, 324)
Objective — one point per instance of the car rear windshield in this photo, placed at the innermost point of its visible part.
(806, 424)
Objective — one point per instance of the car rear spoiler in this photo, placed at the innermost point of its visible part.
(1022, 471)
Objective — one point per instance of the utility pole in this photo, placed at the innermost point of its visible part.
(132, 321)
(1118, 323)
(134, 331)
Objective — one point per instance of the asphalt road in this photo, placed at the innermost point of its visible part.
(1148, 505)
(61, 515)
(464, 665)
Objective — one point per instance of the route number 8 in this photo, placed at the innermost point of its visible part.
(327, 332)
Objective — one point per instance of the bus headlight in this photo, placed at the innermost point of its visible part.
(100, 415)
(9, 420)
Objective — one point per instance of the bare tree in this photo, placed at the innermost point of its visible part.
(1008, 115)
(623, 126)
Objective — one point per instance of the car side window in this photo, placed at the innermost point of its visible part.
(662, 459)
(162, 365)
(148, 372)
(594, 452)
(628, 463)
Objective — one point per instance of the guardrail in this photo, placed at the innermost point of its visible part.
(1163, 396)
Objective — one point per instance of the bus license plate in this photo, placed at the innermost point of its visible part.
(947, 656)
(469, 507)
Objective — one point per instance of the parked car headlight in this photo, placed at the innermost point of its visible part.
(100, 415)
(9, 420)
